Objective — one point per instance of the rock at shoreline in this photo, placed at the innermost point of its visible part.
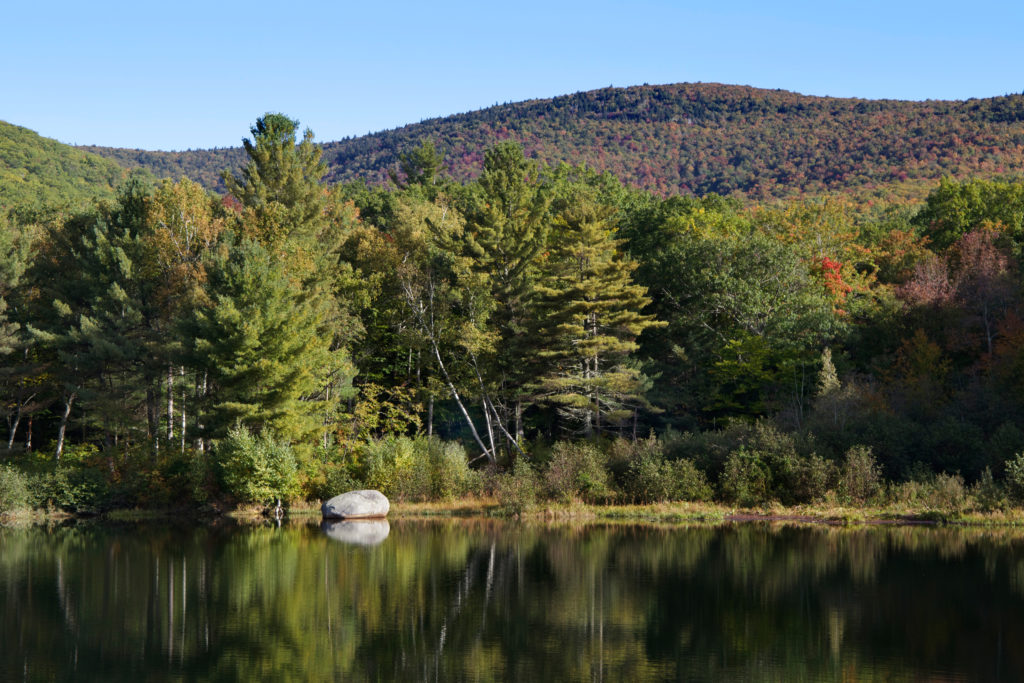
(365, 532)
(365, 504)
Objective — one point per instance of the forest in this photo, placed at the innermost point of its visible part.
(687, 138)
(540, 332)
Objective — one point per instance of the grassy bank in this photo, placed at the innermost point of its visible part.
(659, 513)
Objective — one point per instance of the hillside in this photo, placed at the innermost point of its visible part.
(37, 171)
(695, 138)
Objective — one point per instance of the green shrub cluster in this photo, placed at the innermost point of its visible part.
(417, 469)
(256, 469)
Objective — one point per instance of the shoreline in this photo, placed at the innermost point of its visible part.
(654, 513)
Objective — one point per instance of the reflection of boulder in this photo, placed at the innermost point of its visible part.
(356, 505)
(357, 532)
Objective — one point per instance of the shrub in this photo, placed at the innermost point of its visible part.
(988, 495)
(256, 469)
(517, 490)
(650, 478)
(424, 468)
(328, 479)
(450, 475)
(71, 488)
(861, 477)
(685, 481)
(645, 480)
(577, 470)
(812, 479)
(746, 479)
(947, 492)
(1015, 478)
(14, 490)
(388, 463)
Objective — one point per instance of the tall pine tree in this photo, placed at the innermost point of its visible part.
(591, 317)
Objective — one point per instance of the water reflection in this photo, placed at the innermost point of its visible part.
(484, 600)
(367, 532)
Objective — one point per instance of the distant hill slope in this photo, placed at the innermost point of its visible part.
(696, 138)
(37, 171)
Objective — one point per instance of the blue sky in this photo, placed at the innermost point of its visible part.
(197, 74)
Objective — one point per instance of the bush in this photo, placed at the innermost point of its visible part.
(988, 495)
(813, 477)
(577, 470)
(686, 482)
(15, 490)
(73, 489)
(948, 492)
(1015, 478)
(424, 468)
(517, 490)
(645, 480)
(650, 478)
(861, 479)
(327, 478)
(450, 476)
(256, 469)
(746, 479)
(388, 463)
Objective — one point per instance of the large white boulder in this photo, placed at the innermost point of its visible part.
(364, 504)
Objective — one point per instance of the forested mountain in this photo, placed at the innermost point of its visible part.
(38, 171)
(688, 138)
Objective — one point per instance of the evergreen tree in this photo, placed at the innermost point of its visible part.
(257, 340)
(506, 228)
(591, 317)
(280, 186)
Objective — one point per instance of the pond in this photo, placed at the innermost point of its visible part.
(489, 600)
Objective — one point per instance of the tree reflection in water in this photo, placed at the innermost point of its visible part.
(489, 600)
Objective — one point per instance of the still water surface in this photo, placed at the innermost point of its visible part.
(486, 600)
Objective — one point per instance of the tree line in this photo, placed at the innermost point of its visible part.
(292, 337)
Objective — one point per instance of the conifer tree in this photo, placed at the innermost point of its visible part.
(280, 186)
(506, 229)
(287, 210)
(591, 317)
(257, 339)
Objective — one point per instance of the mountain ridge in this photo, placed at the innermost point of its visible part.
(686, 138)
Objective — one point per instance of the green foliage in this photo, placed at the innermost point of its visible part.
(576, 470)
(280, 185)
(955, 208)
(423, 468)
(1015, 478)
(987, 493)
(517, 491)
(746, 479)
(37, 171)
(256, 469)
(650, 478)
(15, 490)
(861, 475)
(387, 462)
(590, 317)
(72, 488)
(258, 342)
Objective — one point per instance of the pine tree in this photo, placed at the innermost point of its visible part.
(280, 186)
(591, 317)
(506, 230)
(286, 208)
(258, 341)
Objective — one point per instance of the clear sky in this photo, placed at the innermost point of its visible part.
(191, 74)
